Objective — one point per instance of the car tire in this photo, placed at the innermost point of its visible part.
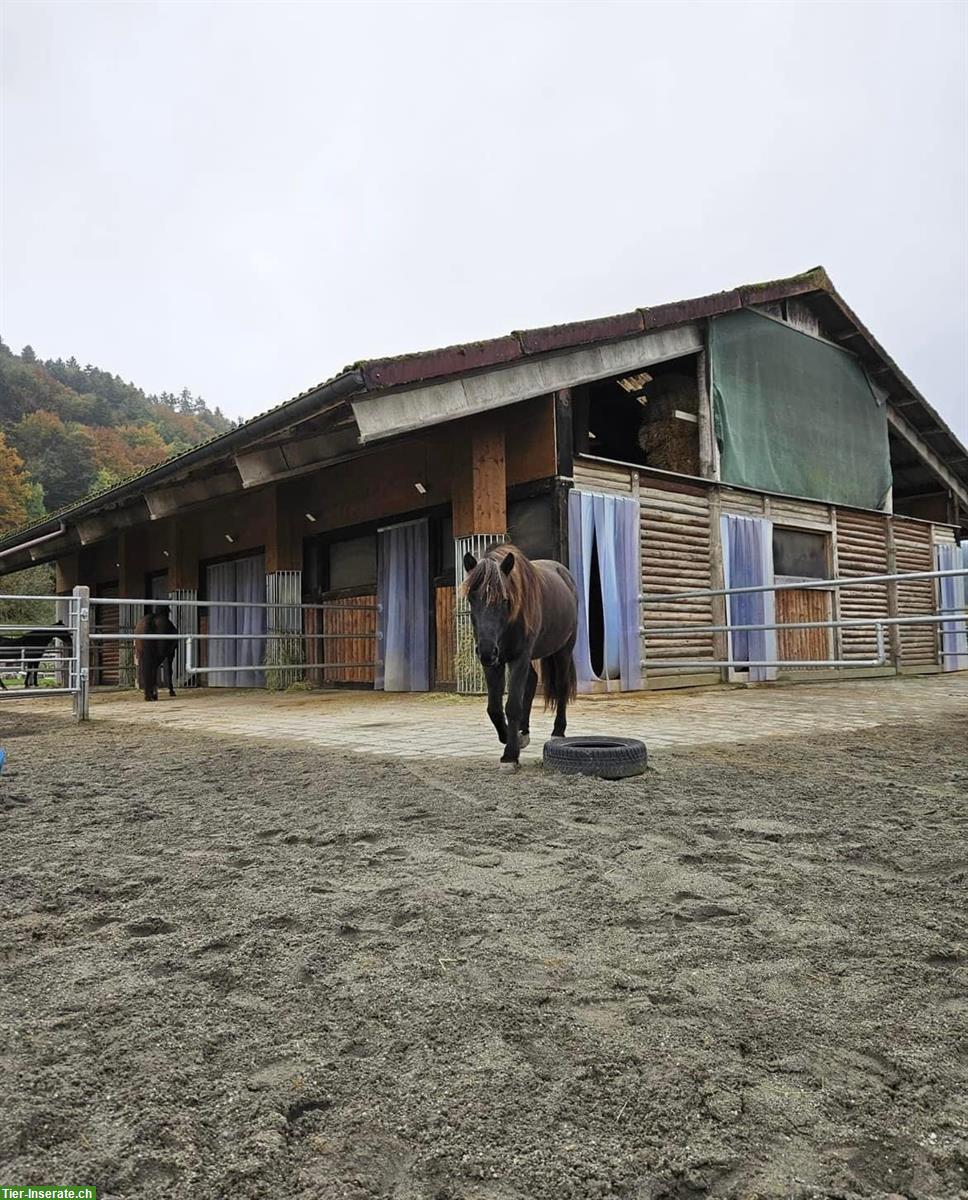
(603, 757)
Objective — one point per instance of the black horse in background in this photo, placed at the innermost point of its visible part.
(152, 656)
(29, 649)
(522, 612)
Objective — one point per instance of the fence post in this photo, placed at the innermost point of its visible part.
(82, 652)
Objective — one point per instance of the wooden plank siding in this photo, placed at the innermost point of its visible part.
(675, 552)
(444, 672)
(913, 552)
(612, 479)
(862, 549)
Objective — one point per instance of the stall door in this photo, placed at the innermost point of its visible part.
(106, 655)
(241, 581)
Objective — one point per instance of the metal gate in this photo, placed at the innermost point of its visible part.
(69, 667)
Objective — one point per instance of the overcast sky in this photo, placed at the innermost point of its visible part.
(241, 198)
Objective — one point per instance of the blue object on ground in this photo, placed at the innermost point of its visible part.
(3, 759)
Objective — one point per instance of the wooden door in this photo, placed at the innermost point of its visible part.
(803, 645)
(444, 673)
(106, 655)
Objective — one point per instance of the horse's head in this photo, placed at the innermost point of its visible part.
(490, 601)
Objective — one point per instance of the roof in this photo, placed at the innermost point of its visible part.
(405, 371)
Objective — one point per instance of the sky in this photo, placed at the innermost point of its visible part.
(242, 198)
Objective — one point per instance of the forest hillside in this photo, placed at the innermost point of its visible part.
(67, 430)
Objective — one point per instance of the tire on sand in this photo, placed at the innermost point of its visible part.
(604, 757)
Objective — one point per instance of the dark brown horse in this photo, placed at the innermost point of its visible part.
(522, 612)
(152, 655)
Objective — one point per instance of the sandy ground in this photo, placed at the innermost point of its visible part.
(235, 969)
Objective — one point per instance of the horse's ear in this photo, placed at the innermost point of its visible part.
(470, 562)
(507, 564)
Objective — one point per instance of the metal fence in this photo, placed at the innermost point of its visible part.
(879, 624)
(65, 664)
(283, 626)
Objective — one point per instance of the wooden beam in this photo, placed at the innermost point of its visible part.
(295, 457)
(96, 529)
(564, 434)
(165, 502)
(929, 457)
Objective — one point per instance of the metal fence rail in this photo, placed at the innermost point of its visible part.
(878, 624)
(191, 641)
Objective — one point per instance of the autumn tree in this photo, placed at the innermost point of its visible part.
(57, 455)
(17, 495)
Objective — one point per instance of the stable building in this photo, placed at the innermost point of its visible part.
(755, 436)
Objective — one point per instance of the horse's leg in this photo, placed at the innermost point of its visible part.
(529, 690)
(168, 664)
(495, 700)
(517, 684)
(564, 686)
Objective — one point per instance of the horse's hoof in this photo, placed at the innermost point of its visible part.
(525, 741)
(509, 766)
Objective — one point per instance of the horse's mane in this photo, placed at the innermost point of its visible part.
(520, 588)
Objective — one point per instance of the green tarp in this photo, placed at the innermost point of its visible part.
(795, 414)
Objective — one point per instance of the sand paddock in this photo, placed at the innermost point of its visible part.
(244, 969)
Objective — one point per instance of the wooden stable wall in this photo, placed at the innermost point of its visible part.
(862, 548)
(914, 551)
(680, 550)
(675, 547)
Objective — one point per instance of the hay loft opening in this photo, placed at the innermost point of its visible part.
(649, 418)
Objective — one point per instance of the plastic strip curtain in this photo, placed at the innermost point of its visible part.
(953, 597)
(403, 590)
(242, 580)
(748, 562)
(606, 528)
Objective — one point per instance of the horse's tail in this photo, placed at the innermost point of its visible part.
(558, 678)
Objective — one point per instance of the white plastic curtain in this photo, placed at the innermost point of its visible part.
(748, 562)
(953, 596)
(243, 580)
(403, 591)
(604, 531)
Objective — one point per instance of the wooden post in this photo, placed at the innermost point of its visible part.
(183, 559)
(283, 544)
(892, 597)
(717, 577)
(564, 434)
(708, 447)
(479, 499)
(66, 573)
(479, 489)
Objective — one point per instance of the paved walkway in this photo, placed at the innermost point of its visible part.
(413, 725)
